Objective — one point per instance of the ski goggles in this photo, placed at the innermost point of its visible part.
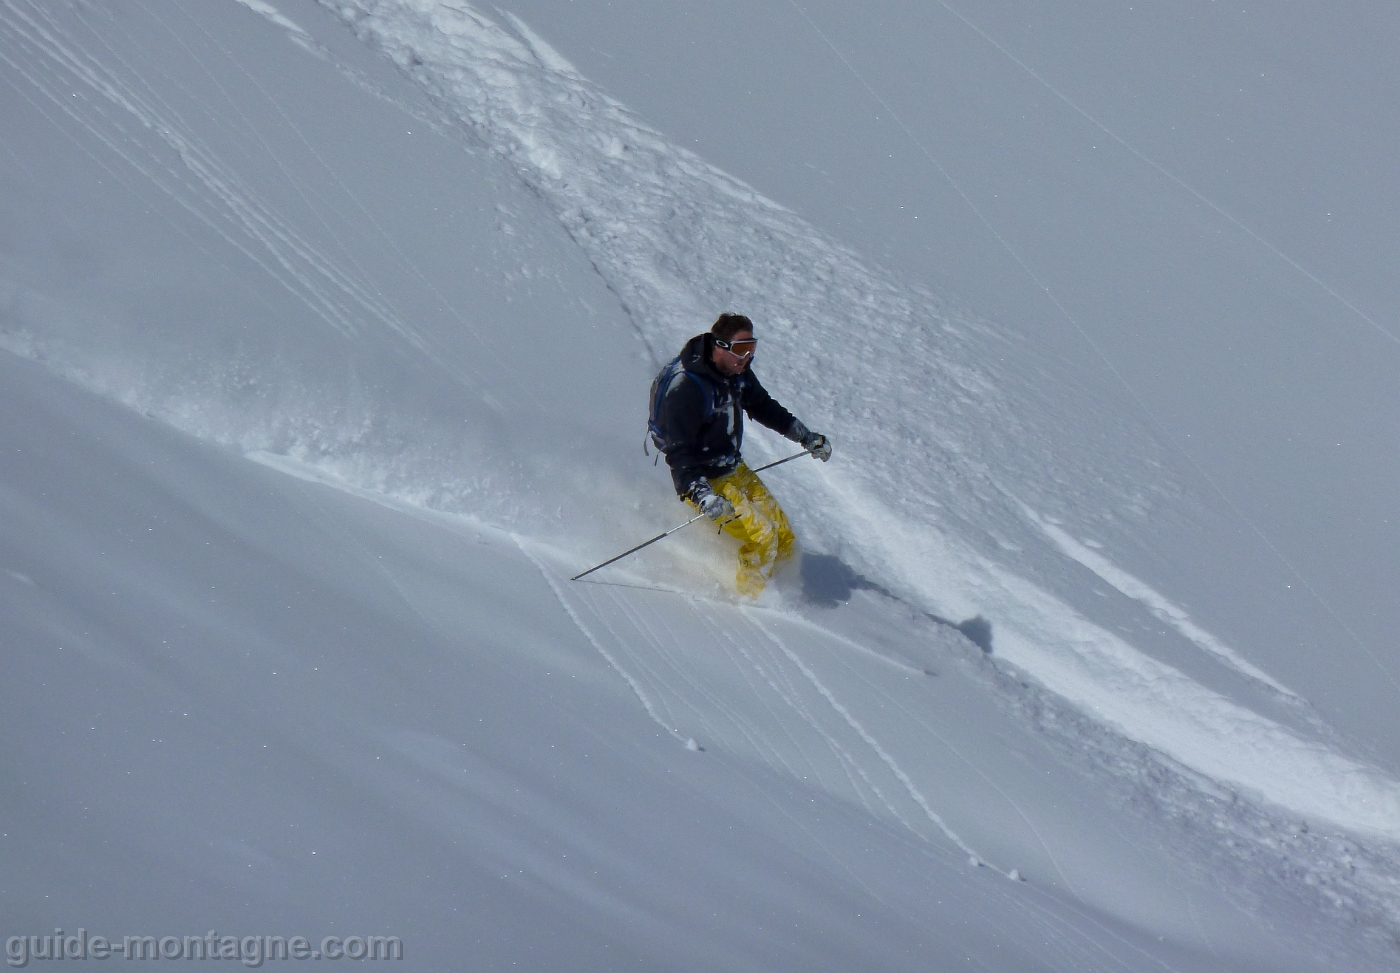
(739, 349)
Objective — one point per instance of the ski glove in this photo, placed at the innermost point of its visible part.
(711, 504)
(813, 442)
(818, 445)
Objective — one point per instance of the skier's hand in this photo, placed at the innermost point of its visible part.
(717, 508)
(711, 504)
(818, 445)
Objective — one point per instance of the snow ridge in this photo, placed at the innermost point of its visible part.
(1156, 603)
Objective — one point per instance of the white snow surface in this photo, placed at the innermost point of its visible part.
(326, 353)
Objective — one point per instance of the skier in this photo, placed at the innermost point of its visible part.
(697, 420)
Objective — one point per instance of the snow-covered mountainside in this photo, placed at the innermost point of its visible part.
(392, 277)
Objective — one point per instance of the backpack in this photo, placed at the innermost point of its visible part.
(659, 387)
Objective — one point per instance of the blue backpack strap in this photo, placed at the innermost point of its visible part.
(659, 387)
(707, 391)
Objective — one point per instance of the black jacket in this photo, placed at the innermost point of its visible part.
(709, 445)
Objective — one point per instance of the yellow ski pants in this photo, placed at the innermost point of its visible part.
(760, 525)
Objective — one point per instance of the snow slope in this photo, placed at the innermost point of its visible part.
(438, 293)
(675, 236)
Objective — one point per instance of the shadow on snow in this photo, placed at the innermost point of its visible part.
(827, 582)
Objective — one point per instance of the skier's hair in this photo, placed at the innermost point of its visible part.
(728, 325)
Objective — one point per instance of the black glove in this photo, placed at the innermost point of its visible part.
(818, 445)
(711, 504)
(813, 442)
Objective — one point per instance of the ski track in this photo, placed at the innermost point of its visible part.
(120, 116)
(741, 627)
(748, 674)
(674, 653)
(874, 745)
(740, 618)
(627, 677)
(786, 691)
(916, 720)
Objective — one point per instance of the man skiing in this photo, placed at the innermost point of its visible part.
(698, 406)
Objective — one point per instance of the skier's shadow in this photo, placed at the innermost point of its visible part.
(827, 582)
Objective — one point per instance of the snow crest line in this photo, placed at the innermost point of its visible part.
(1157, 604)
(274, 16)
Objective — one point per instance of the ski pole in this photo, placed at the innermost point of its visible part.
(638, 547)
(668, 533)
(780, 462)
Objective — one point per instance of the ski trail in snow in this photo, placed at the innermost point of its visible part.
(304, 40)
(747, 673)
(70, 59)
(636, 687)
(645, 669)
(789, 695)
(693, 690)
(747, 663)
(361, 287)
(784, 691)
(746, 666)
(874, 745)
(282, 251)
(170, 186)
(635, 615)
(1156, 603)
(948, 745)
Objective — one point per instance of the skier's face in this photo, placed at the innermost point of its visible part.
(728, 362)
